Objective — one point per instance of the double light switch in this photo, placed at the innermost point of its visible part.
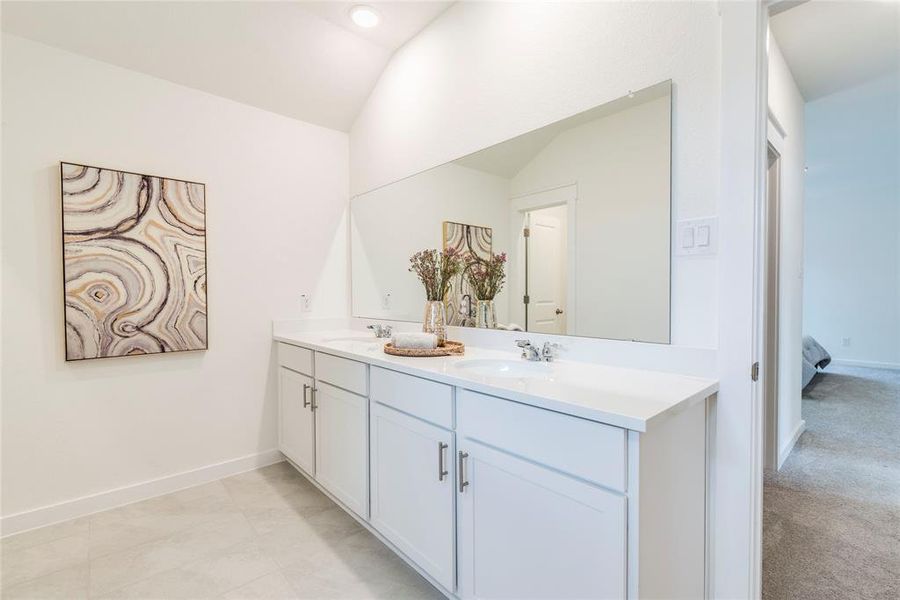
(696, 237)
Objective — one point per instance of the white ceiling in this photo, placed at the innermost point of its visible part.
(306, 60)
(400, 21)
(834, 45)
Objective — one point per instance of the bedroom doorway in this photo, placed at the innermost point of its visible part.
(773, 291)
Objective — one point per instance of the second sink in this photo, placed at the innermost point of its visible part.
(498, 367)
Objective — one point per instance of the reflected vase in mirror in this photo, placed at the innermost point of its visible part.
(486, 278)
(485, 314)
(435, 320)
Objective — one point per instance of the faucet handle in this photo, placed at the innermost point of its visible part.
(523, 343)
(387, 330)
(549, 351)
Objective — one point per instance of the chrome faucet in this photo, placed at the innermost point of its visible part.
(381, 331)
(529, 352)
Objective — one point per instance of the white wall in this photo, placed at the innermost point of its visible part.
(390, 224)
(621, 166)
(276, 197)
(443, 94)
(852, 258)
(786, 105)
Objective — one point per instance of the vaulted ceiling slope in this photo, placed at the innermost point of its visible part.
(831, 45)
(300, 59)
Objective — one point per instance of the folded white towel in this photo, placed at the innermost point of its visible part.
(414, 340)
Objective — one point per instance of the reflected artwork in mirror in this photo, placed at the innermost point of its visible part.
(468, 240)
(579, 211)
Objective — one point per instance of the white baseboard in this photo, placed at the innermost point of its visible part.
(789, 446)
(86, 505)
(871, 364)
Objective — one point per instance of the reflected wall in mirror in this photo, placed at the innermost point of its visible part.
(582, 208)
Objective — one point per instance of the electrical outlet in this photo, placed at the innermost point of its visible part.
(386, 301)
(845, 342)
(305, 302)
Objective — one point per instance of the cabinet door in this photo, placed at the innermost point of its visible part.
(526, 531)
(342, 440)
(412, 490)
(296, 425)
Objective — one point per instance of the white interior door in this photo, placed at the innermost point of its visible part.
(547, 262)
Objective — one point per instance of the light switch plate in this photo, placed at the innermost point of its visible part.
(702, 234)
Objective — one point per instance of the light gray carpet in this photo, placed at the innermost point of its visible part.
(831, 525)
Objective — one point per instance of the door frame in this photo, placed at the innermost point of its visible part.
(520, 206)
(771, 316)
(735, 569)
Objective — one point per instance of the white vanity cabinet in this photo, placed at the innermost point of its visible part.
(527, 531)
(342, 446)
(492, 497)
(323, 427)
(413, 470)
(296, 420)
(530, 523)
(412, 490)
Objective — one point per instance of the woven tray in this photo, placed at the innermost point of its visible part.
(449, 348)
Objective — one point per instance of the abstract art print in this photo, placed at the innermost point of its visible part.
(134, 263)
(466, 239)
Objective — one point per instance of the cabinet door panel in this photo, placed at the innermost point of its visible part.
(412, 489)
(529, 532)
(296, 426)
(342, 440)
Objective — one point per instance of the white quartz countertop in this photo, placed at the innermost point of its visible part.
(629, 398)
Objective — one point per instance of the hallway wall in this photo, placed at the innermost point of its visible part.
(786, 105)
(852, 223)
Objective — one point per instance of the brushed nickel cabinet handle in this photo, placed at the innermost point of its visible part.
(312, 392)
(463, 484)
(442, 470)
(305, 390)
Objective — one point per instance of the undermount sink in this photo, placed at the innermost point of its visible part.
(498, 367)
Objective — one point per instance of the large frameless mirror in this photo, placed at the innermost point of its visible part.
(572, 222)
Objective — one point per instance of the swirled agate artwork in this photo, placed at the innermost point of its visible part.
(134, 263)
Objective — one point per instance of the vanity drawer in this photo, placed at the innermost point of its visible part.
(428, 400)
(296, 358)
(586, 449)
(342, 372)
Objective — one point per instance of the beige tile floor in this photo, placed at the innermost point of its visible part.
(267, 533)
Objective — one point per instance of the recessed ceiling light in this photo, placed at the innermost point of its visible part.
(364, 16)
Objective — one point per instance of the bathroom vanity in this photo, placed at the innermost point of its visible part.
(499, 477)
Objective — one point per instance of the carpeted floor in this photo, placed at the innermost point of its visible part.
(831, 526)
